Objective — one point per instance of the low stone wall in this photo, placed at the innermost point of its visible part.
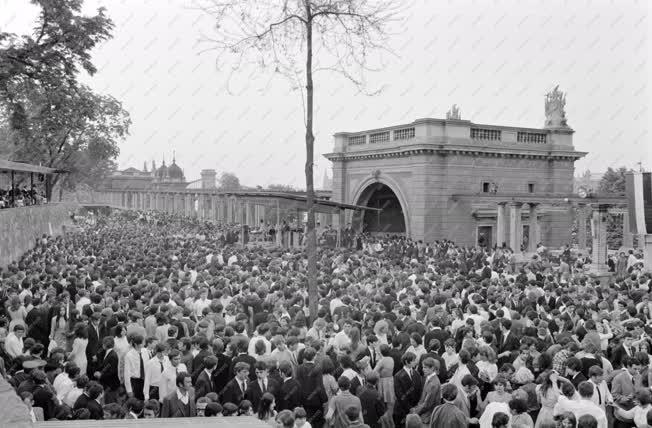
(20, 227)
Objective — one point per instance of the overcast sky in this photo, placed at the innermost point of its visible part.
(495, 59)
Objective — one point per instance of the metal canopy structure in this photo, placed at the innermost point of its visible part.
(7, 165)
(300, 202)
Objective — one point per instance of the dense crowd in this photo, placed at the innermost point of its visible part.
(158, 316)
(21, 197)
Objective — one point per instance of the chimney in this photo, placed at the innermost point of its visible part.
(208, 179)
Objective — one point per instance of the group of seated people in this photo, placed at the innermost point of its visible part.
(21, 197)
(161, 317)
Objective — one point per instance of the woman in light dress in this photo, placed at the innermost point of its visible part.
(121, 347)
(416, 346)
(59, 330)
(17, 313)
(548, 396)
(78, 353)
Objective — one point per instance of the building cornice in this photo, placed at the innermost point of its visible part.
(457, 149)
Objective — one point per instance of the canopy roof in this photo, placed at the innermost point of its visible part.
(7, 165)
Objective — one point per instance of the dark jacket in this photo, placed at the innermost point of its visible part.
(373, 406)
(204, 385)
(289, 395)
(173, 407)
(254, 392)
(232, 393)
(408, 393)
(108, 369)
(85, 402)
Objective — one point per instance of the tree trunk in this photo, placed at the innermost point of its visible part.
(311, 237)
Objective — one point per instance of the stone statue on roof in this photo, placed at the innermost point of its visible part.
(454, 113)
(555, 112)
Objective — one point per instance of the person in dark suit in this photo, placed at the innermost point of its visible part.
(235, 389)
(204, 383)
(94, 345)
(222, 373)
(407, 387)
(433, 352)
(431, 394)
(437, 332)
(43, 395)
(313, 394)
(507, 344)
(289, 393)
(88, 400)
(107, 371)
(198, 361)
(574, 371)
(244, 357)
(373, 405)
(180, 403)
(370, 351)
(261, 385)
(623, 350)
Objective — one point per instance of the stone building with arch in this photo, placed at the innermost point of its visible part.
(474, 184)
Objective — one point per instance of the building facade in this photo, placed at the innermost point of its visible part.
(474, 184)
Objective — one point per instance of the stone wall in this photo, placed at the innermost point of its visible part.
(20, 227)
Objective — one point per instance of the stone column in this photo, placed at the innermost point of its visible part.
(581, 227)
(200, 206)
(599, 232)
(628, 237)
(261, 212)
(533, 239)
(515, 227)
(501, 224)
(248, 214)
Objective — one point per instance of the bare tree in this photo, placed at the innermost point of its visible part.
(299, 38)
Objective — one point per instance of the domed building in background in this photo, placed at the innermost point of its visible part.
(165, 177)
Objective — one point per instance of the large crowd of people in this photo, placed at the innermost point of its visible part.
(139, 315)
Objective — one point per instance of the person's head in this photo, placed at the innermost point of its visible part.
(500, 382)
(266, 406)
(585, 390)
(344, 383)
(134, 405)
(300, 416)
(573, 366)
(183, 382)
(430, 366)
(262, 371)
(241, 370)
(469, 383)
(567, 420)
(500, 420)
(113, 411)
(94, 390)
(517, 406)
(19, 330)
(27, 398)
(595, 374)
(285, 419)
(200, 405)
(213, 409)
(352, 413)
(632, 364)
(210, 362)
(587, 421)
(409, 359)
(151, 409)
(245, 408)
(413, 421)
(449, 392)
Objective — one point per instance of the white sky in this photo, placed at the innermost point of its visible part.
(495, 59)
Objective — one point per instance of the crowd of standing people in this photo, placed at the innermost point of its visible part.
(140, 315)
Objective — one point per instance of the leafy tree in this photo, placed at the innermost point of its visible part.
(613, 180)
(49, 116)
(229, 182)
(298, 39)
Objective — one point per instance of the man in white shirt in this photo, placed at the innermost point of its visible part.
(583, 406)
(262, 334)
(64, 382)
(154, 369)
(83, 300)
(134, 372)
(601, 395)
(342, 339)
(14, 341)
(203, 302)
(169, 376)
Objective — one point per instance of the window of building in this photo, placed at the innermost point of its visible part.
(486, 186)
(530, 187)
(379, 137)
(358, 139)
(404, 134)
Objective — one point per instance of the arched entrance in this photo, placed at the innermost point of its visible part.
(392, 217)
